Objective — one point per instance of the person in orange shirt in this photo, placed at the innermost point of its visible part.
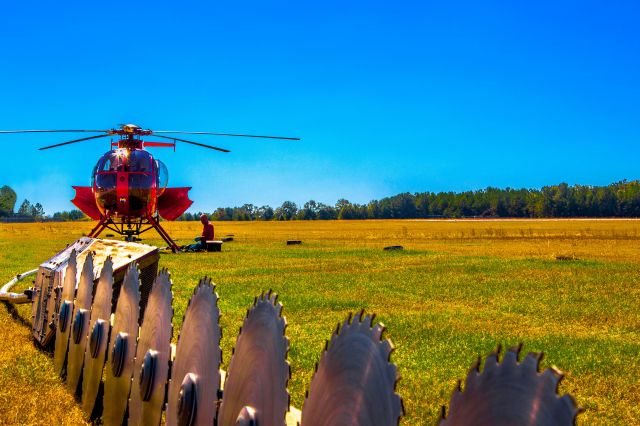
(207, 230)
(207, 235)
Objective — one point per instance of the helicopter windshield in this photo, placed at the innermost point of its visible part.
(163, 177)
(139, 161)
(125, 161)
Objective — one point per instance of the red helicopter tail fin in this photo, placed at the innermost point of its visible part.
(173, 202)
(86, 202)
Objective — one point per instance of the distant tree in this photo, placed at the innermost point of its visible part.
(342, 203)
(8, 200)
(25, 209)
(264, 213)
(70, 215)
(286, 211)
(326, 212)
(37, 211)
(347, 212)
(373, 209)
(309, 211)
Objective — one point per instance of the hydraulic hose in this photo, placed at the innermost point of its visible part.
(16, 298)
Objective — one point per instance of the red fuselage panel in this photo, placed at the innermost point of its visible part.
(173, 202)
(86, 202)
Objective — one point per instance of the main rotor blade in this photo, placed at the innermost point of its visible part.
(51, 131)
(73, 141)
(193, 143)
(227, 134)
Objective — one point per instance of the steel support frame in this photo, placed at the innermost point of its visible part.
(130, 228)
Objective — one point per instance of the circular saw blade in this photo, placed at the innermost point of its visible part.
(65, 311)
(510, 392)
(354, 382)
(259, 372)
(195, 373)
(151, 368)
(80, 325)
(122, 349)
(98, 330)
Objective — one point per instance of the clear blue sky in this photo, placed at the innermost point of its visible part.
(388, 96)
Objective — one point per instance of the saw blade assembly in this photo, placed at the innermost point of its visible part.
(99, 327)
(354, 383)
(151, 367)
(122, 349)
(113, 328)
(511, 392)
(255, 389)
(195, 373)
(65, 311)
(80, 325)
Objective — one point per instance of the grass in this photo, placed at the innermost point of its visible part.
(569, 288)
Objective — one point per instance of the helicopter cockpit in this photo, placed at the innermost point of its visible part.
(140, 178)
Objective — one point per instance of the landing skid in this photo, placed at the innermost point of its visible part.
(132, 227)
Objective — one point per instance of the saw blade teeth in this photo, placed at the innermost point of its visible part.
(365, 321)
(506, 392)
(471, 381)
(493, 360)
(378, 330)
(553, 376)
(571, 404)
(108, 263)
(399, 405)
(387, 348)
(164, 275)
(342, 384)
(518, 350)
(475, 365)
(531, 361)
(510, 358)
(259, 360)
(348, 323)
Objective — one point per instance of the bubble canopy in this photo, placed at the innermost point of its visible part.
(133, 171)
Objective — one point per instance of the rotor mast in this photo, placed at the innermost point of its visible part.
(130, 136)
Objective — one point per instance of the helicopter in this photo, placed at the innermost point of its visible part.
(129, 193)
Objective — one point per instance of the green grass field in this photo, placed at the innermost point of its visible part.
(457, 290)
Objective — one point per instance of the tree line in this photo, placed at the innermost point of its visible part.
(620, 199)
(29, 211)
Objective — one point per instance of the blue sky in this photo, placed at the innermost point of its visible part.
(387, 96)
